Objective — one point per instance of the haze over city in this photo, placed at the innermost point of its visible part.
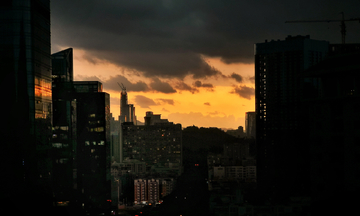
(191, 61)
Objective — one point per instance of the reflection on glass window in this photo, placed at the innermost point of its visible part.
(63, 160)
(57, 145)
(64, 128)
(99, 129)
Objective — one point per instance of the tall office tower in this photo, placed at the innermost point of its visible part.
(115, 139)
(332, 102)
(127, 111)
(282, 153)
(250, 124)
(93, 145)
(64, 126)
(132, 116)
(26, 76)
(159, 145)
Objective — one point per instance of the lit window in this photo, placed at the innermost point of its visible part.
(64, 128)
(57, 145)
(99, 129)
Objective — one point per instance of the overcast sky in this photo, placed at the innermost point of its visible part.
(170, 46)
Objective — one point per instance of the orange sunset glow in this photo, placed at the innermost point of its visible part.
(216, 106)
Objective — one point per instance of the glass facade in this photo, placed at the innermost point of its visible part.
(26, 76)
(64, 127)
(93, 149)
(88, 86)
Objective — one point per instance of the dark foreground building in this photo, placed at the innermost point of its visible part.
(93, 146)
(282, 155)
(80, 140)
(307, 104)
(26, 79)
(332, 104)
(64, 127)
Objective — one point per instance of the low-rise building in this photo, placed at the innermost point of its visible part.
(242, 173)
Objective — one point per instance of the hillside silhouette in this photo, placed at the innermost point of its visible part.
(206, 139)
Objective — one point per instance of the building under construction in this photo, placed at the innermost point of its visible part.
(127, 111)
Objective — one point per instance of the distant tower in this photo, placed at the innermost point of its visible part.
(124, 107)
(250, 124)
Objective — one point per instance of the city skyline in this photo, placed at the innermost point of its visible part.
(193, 62)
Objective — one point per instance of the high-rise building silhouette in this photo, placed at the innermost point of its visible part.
(93, 145)
(331, 106)
(127, 111)
(282, 155)
(26, 77)
(81, 138)
(64, 127)
(250, 124)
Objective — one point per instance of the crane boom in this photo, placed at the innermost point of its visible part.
(342, 25)
(302, 21)
(122, 86)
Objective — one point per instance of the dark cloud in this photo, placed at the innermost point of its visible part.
(112, 83)
(237, 77)
(244, 91)
(199, 84)
(164, 110)
(160, 86)
(207, 104)
(185, 87)
(166, 101)
(167, 38)
(252, 79)
(86, 78)
(144, 102)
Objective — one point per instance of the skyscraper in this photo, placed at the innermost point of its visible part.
(93, 145)
(127, 111)
(282, 153)
(64, 126)
(250, 124)
(331, 103)
(26, 76)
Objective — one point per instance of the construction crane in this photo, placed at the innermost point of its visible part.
(122, 87)
(342, 25)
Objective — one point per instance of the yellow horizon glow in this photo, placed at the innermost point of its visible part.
(226, 110)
